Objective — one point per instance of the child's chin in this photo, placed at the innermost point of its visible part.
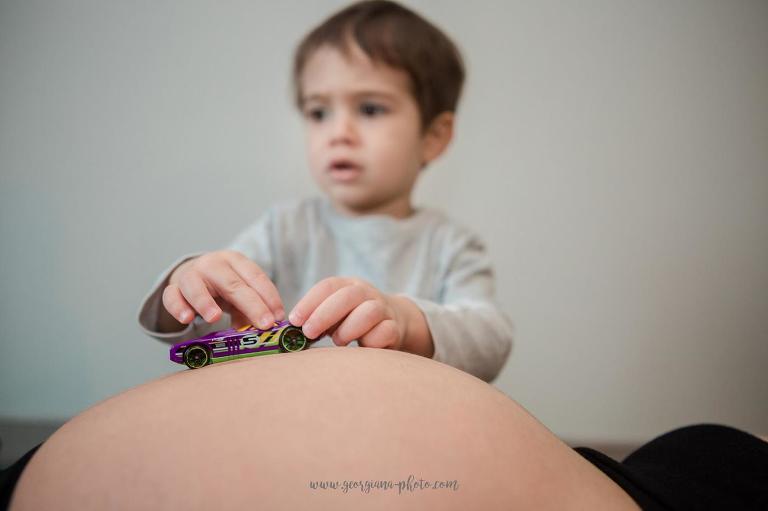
(353, 202)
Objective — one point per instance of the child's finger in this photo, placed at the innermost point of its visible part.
(261, 283)
(383, 335)
(241, 296)
(333, 309)
(176, 305)
(314, 297)
(331, 330)
(238, 319)
(196, 293)
(359, 322)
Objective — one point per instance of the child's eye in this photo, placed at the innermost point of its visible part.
(372, 109)
(316, 114)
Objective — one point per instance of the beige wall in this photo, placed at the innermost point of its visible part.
(613, 154)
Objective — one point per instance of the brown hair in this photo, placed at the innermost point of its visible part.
(390, 33)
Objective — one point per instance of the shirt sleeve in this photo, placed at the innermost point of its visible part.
(469, 330)
(253, 242)
(256, 243)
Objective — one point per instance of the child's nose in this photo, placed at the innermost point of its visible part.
(343, 130)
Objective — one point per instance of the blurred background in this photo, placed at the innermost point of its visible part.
(613, 154)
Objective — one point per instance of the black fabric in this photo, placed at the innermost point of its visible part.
(10, 476)
(701, 467)
(624, 478)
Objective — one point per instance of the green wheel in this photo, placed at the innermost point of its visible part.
(292, 339)
(196, 357)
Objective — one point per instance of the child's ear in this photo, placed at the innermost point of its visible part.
(437, 137)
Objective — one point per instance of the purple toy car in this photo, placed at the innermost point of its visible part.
(247, 341)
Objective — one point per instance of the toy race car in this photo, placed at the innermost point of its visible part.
(247, 341)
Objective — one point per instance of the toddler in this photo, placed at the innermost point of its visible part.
(378, 87)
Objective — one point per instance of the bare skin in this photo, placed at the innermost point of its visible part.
(218, 282)
(252, 434)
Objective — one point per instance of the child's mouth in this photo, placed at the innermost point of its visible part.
(344, 171)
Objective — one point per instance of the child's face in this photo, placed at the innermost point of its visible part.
(365, 142)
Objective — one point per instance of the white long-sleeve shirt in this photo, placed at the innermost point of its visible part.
(442, 267)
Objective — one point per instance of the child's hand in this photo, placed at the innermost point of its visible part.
(349, 309)
(223, 281)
